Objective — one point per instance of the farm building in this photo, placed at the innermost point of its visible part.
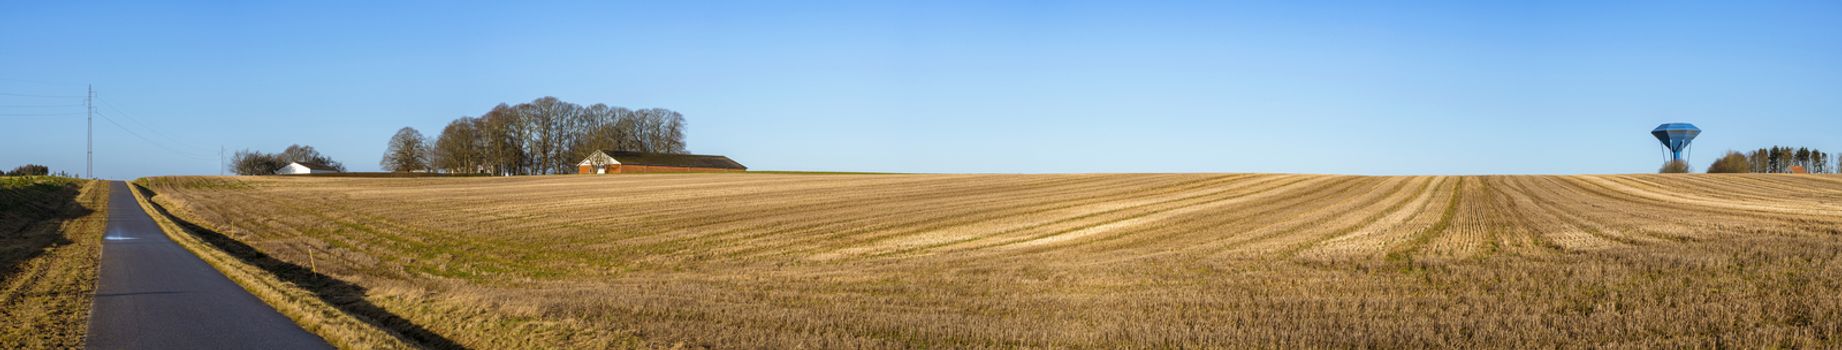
(605, 162)
(298, 168)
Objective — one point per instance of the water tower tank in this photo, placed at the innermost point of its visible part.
(1676, 137)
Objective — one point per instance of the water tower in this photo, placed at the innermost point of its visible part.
(1676, 137)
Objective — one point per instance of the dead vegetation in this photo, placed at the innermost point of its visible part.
(1081, 261)
(50, 249)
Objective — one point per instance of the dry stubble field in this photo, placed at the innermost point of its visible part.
(1062, 261)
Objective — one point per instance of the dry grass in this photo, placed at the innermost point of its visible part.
(50, 249)
(1081, 261)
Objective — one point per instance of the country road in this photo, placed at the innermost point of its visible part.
(154, 294)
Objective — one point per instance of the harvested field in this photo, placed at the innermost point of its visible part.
(1059, 261)
(50, 249)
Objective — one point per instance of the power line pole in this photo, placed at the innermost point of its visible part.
(89, 136)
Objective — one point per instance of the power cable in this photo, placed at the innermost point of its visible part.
(36, 81)
(39, 114)
(145, 126)
(41, 96)
(74, 105)
(112, 121)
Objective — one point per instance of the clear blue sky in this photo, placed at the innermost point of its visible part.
(1462, 87)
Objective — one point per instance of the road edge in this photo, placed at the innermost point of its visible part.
(338, 328)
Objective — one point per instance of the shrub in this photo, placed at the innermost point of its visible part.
(1733, 162)
(1674, 167)
(30, 170)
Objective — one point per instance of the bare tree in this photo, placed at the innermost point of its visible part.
(648, 122)
(548, 120)
(250, 162)
(406, 152)
(627, 122)
(548, 135)
(306, 154)
(671, 132)
(461, 147)
(538, 129)
(583, 139)
(503, 138)
(607, 129)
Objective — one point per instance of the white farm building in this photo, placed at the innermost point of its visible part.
(298, 168)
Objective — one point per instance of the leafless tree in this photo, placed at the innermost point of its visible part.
(550, 132)
(406, 152)
(607, 129)
(548, 135)
(648, 122)
(502, 135)
(461, 147)
(250, 162)
(671, 132)
(306, 154)
(627, 131)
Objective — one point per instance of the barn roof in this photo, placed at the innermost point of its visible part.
(679, 160)
(317, 166)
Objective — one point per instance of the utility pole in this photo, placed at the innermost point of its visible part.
(89, 137)
(220, 160)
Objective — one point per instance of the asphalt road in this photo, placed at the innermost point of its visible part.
(156, 295)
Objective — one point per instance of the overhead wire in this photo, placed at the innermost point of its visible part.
(41, 114)
(144, 126)
(39, 96)
(40, 110)
(106, 117)
(175, 150)
(37, 110)
(44, 106)
(41, 82)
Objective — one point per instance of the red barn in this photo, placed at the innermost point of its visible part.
(608, 162)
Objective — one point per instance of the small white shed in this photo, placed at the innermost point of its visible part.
(298, 168)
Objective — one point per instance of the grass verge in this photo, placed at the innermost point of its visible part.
(50, 248)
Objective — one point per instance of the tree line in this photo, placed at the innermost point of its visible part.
(544, 136)
(1776, 159)
(28, 170)
(252, 162)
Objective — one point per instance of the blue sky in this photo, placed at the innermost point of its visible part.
(1463, 87)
